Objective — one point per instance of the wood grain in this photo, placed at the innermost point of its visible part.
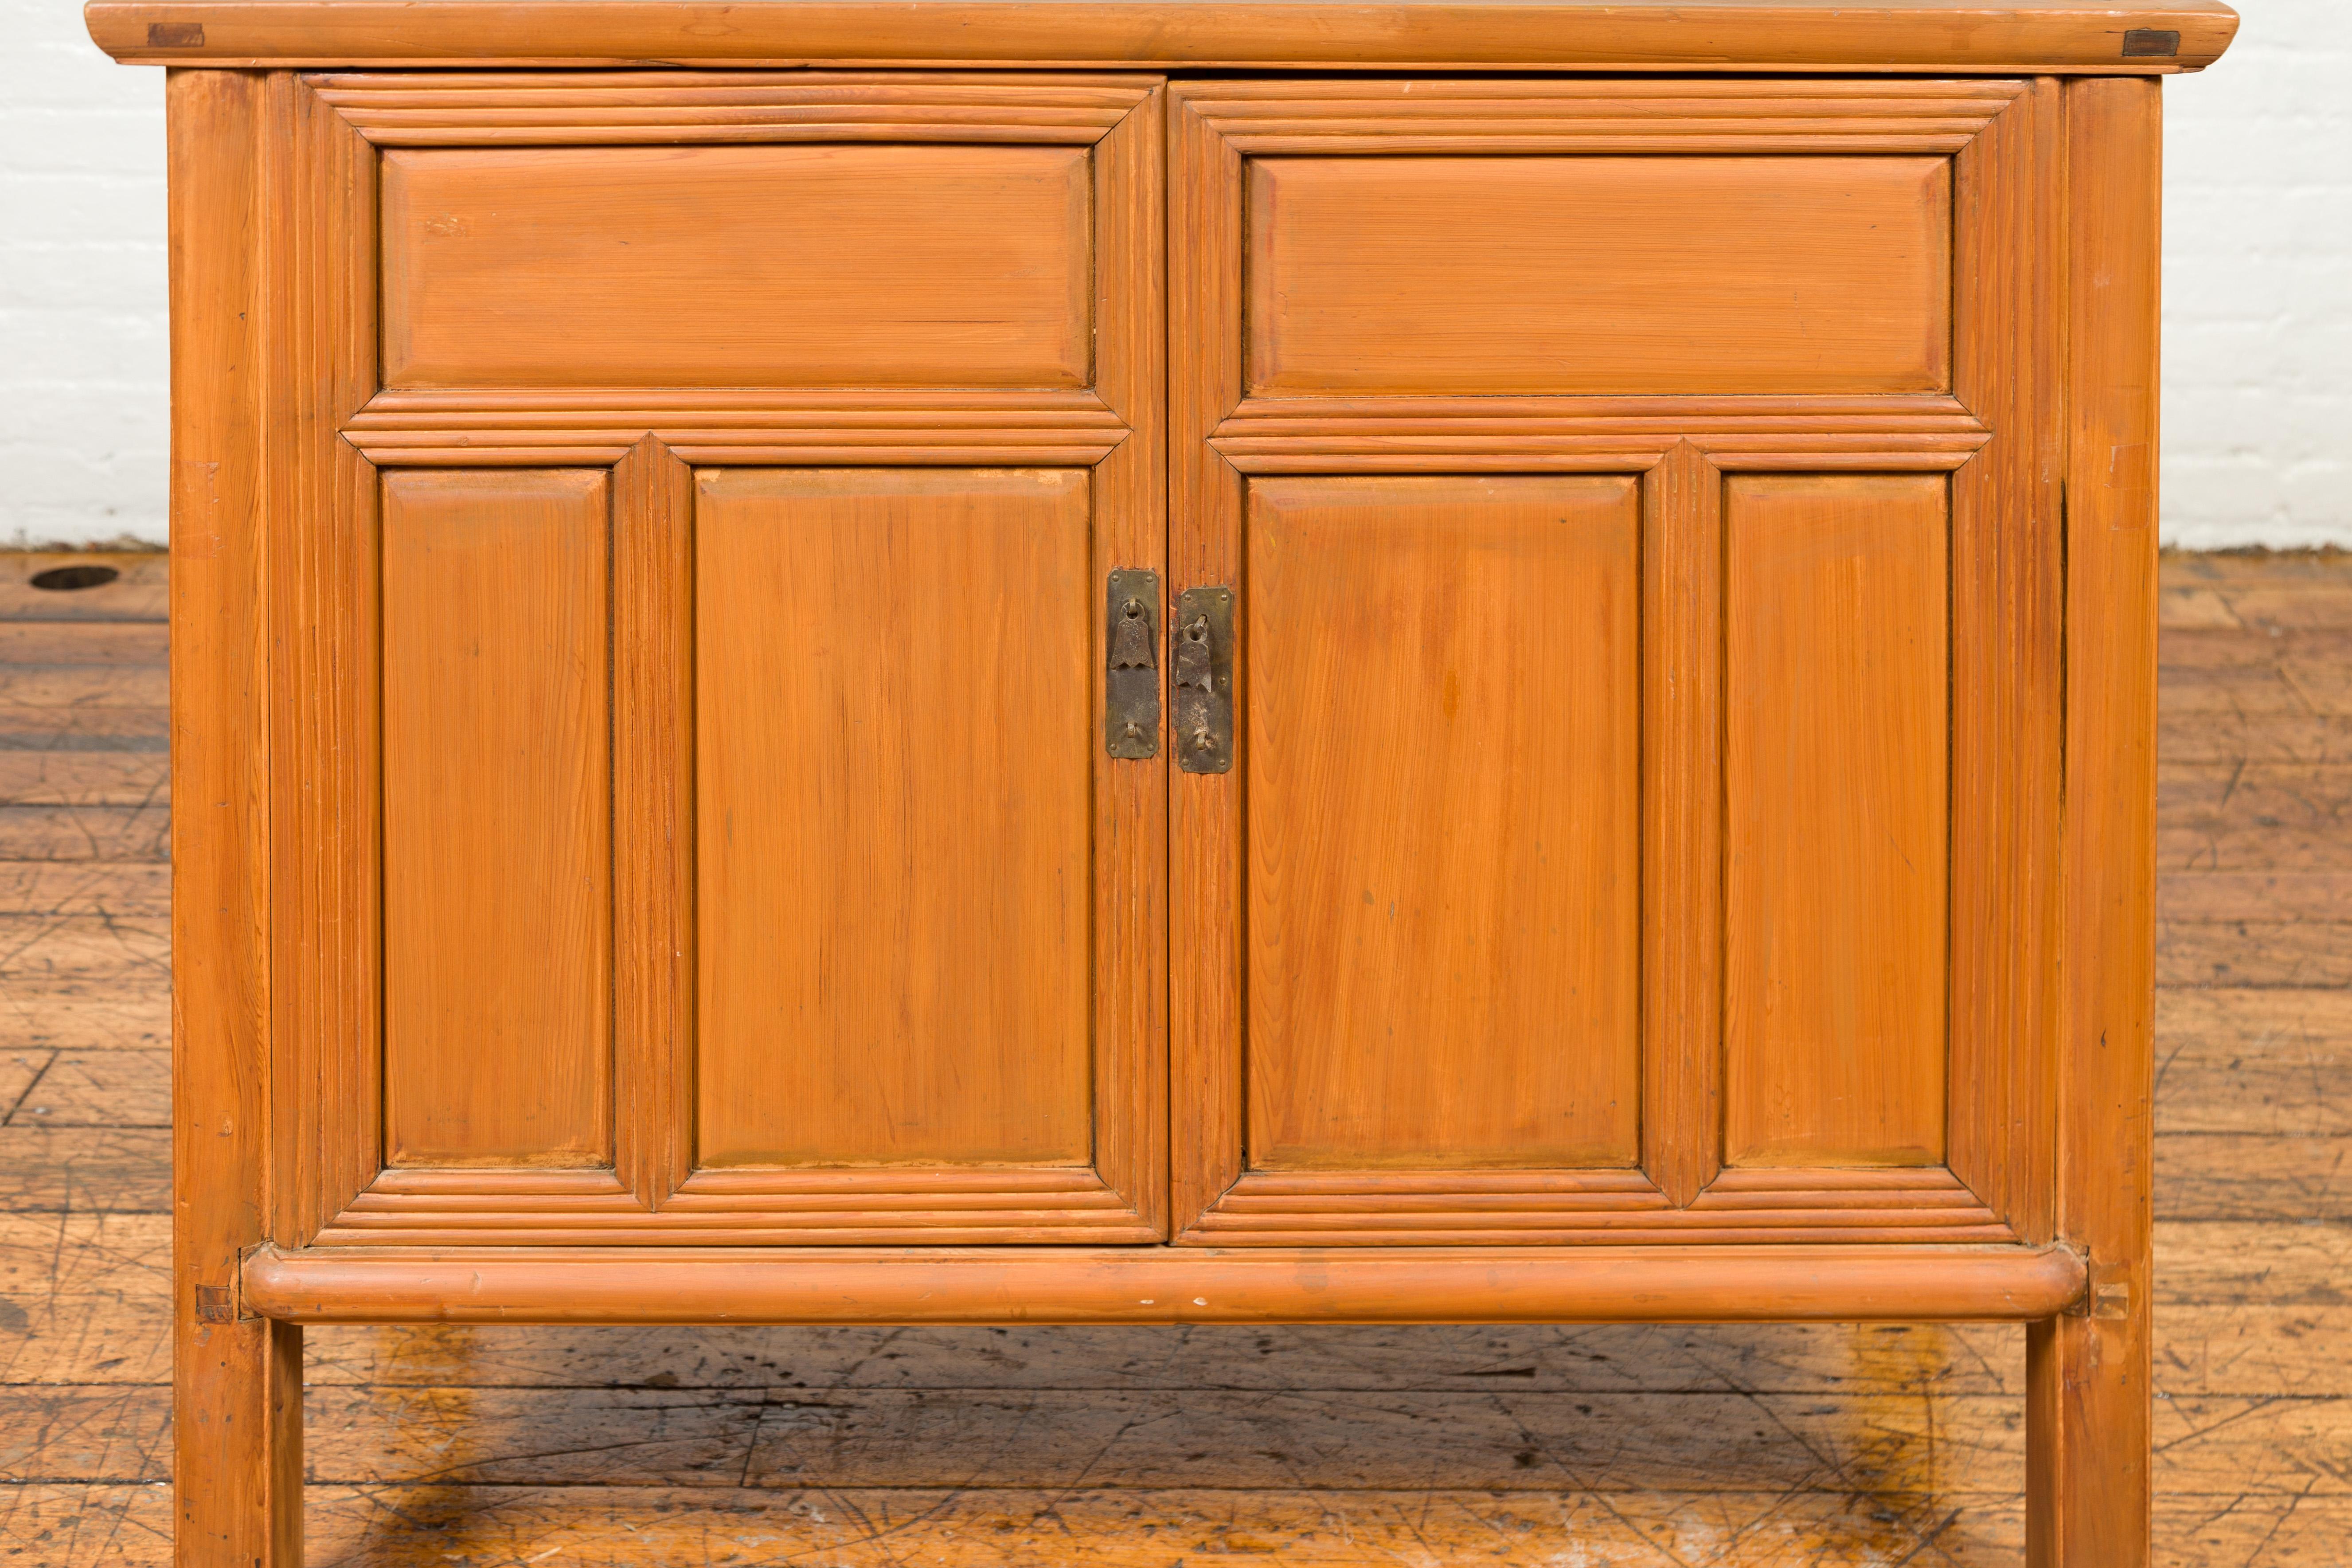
(894, 735)
(1130, 915)
(325, 731)
(2008, 661)
(1443, 803)
(1148, 1285)
(783, 266)
(1206, 883)
(620, 107)
(299, 245)
(2245, 1311)
(653, 821)
(1682, 823)
(498, 819)
(1836, 871)
(236, 1472)
(1499, 275)
(1912, 35)
(2088, 1407)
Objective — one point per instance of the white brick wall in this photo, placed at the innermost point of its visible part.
(2258, 285)
(2258, 335)
(82, 349)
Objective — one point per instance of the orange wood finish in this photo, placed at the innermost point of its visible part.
(641, 543)
(1837, 725)
(1167, 1285)
(1810, 889)
(895, 816)
(236, 1376)
(497, 818)
(2059, 35)
(1643, 264)
(2088, 1414)
(1443, 910)
(780, 265)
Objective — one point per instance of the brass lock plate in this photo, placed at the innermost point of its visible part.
(1132, 669)
(1201, 680)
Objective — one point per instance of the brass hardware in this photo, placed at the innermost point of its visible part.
(1203, 676)
(1131, 679)
(2155, 43)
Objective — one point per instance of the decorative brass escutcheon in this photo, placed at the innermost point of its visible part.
(1203, 676)
(1131, 673)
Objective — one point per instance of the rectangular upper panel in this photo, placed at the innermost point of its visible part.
(496, 819)
(1598, 274)
(793, 265)
(1444, 818)
(1837, 732)
(895, 808)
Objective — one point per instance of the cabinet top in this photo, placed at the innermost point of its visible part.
(2062, 37)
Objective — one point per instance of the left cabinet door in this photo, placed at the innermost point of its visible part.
(692, 502)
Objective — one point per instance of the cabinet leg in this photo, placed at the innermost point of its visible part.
(2087, 1442)
(237, 1471)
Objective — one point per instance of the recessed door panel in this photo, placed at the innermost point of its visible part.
(1441, 693)
(1837, 883)
(895, 744)
(496, 819)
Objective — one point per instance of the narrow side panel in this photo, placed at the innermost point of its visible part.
(895, 735)
(653, 819)
(497, 818)
(1682, 823)
(1837, 729)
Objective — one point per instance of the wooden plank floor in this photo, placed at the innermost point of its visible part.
(1124, 1449)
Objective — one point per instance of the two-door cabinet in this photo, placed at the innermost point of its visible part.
(1164, 662)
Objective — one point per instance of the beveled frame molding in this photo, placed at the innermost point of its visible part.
(949, 428)
(342, 427)
(2000, 450)
(1594, 115)
(637, 107)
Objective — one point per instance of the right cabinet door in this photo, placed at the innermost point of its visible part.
(1638, 506)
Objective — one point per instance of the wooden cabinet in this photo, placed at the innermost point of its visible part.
(1181, 663)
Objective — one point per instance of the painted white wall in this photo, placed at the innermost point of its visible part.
(82, 348)
(2258, 285)
(2258, 332)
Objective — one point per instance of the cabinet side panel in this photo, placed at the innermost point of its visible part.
(1837, 738)
(895, 798)
(497, 818)
(1444, 822)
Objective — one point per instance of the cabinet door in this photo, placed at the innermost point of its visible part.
(1635, 503)
(690, 566)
